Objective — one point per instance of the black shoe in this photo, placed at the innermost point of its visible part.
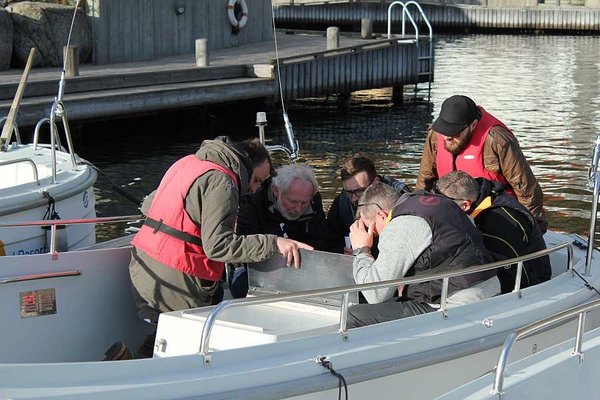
(118, 351)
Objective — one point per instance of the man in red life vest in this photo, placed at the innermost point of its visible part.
(179, 253)
(476, 142)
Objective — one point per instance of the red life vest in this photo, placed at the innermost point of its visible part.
(470, 160)
(168, 209)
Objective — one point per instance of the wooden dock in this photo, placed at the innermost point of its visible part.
(308, 69)
(441, 15)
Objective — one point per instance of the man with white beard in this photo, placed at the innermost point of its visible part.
(287, 205)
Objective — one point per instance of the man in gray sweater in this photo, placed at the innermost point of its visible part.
(418, 234)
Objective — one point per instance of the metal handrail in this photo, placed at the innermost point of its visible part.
(56, 222)
(44, 275)
(24, 160)
(404, 12)
(527, 330)
(36, 134)
(594, 184)
(15, 130)
(344, 290)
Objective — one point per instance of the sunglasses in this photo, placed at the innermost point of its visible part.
(358, 192)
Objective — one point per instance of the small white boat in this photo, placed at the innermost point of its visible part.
(34, 183)
(43, 182)
(61, 312)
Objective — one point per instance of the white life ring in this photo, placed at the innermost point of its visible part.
(231, 13)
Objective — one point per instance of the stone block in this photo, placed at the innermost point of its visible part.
(46, 27)
(6, 39)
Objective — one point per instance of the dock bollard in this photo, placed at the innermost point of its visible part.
(333, 37)
(366, 28)
(71, 56)
(202, 52)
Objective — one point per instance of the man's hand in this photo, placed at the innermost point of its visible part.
(290, 250)
(361, 235)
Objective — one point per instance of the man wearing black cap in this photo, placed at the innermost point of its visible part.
(476, 142)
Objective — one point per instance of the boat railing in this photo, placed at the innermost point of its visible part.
(594, 185)
(346, 290)
(54, 223)
(27, 161)
(15, 130)
(580, 311)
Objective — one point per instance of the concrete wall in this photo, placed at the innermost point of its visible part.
(137, 30)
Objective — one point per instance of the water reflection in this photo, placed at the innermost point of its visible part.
(545, 88)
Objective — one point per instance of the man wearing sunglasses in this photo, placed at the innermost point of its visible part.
(418, 234)
(466, 137)
(357, 174)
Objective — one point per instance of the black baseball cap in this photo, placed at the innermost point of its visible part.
(457, 112)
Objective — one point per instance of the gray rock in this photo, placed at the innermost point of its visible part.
(46, 27)
(6, 39)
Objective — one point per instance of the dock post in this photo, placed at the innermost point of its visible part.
(398, 95)
(333, 37)
(71, 56)
(202, 52)
(366, 28)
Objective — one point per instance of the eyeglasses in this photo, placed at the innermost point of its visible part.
(358, 192)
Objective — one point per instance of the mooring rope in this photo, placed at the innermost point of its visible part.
(277, 57)
(326, 363)
(586, 283)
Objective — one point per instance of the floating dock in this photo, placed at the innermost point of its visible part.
(441, 15)
(246, 72)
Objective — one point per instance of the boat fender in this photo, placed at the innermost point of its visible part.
(237, 24)
(2, 251)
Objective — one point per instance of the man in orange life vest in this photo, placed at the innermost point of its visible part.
(476, 142)
(179, 253)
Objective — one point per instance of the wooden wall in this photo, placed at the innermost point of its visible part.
(137, 30)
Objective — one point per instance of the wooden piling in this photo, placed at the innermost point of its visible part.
(366, 28)
(398, 95)
(333, 37)
(71, 60)
(202, 53)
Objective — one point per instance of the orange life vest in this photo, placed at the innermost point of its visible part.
(169, 235)
(470, 160)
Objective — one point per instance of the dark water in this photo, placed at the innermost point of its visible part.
(545, 88)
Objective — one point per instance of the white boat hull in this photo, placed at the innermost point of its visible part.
(22, 199)
(417, 358)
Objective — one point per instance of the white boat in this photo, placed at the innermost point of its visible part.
(34, 181)
(43, 182)
(61, 311)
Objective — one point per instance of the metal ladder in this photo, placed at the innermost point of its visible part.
(423, 70)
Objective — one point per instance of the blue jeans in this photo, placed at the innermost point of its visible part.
(238, 282)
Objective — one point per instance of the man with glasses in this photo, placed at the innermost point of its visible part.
(509, 230)
(357, 174)
(418, 234)
(466, 137)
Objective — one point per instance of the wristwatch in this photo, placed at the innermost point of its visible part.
(361, 250)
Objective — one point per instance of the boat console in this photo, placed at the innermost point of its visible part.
(179, 332)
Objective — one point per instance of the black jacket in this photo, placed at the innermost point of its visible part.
(258, 215)
(455, 244)
(510, 230)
